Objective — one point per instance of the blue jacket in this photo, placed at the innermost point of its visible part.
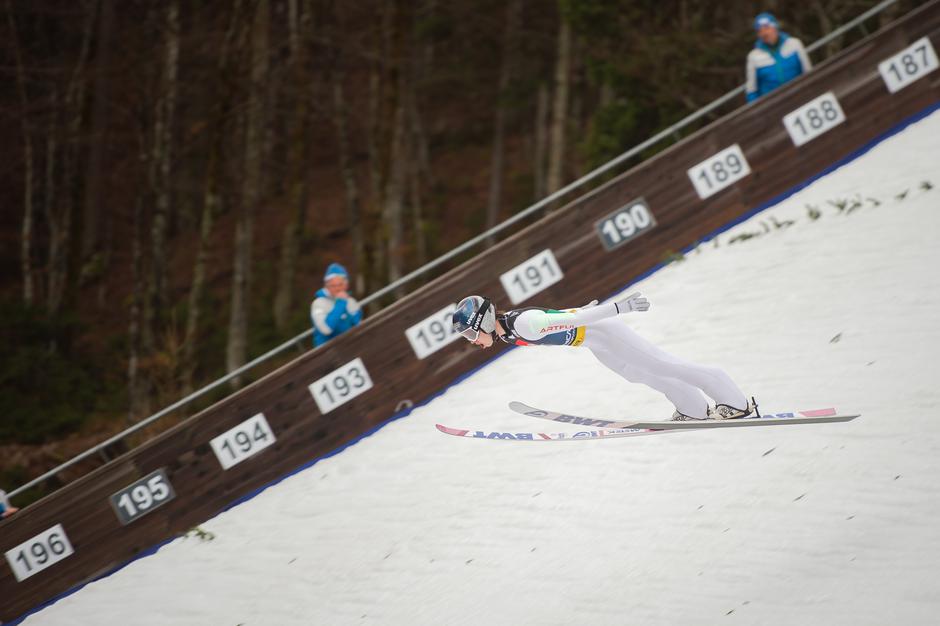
(770, 67)
(332, 317)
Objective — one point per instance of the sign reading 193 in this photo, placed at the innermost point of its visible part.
(915, 61)
(719, 171)
(341, 385)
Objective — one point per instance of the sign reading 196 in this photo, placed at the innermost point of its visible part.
(625, 223)
(341, 385)
(42, 551)
(719, 171)
(532, 276)
(908, 65)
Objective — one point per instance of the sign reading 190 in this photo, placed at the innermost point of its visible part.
(719, 171)
(341, 385)
(625, 223)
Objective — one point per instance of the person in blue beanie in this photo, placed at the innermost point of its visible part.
(777, 58)
(6, 510)
(333, 311)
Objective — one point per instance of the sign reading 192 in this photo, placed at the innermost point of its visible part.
(432, 333)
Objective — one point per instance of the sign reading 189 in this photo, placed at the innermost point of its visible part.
(719, 171)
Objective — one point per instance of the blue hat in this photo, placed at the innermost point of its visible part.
(765, 19)
(335, 270)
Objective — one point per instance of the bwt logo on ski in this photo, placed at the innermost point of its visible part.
(581, 421)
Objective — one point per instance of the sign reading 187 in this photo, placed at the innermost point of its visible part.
(908, 65)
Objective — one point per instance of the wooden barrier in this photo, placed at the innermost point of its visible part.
(592, 247)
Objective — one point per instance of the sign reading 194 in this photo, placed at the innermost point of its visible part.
(908, 65)
(243, 441)
(341, 385)
(532, 276)
(719, 171)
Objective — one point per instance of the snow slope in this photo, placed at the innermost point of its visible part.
(819, 524)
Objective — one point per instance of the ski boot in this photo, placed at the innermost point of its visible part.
(728, 412)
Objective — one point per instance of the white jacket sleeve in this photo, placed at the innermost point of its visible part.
(801, 52)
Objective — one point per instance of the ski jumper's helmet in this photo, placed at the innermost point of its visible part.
(474, 314)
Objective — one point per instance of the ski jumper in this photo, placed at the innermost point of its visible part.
(622, 350)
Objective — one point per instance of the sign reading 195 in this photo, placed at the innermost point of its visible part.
(625, 223)
(245, 440)
(915, 61)
(36, 554)
(719, 171)
(532, 276)
(433, 333)
(142, 496)
(341, 385)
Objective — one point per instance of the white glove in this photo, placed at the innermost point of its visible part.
(633, 302)
(590, 304)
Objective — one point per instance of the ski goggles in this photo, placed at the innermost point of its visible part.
(470, 329)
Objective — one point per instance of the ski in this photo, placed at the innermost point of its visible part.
(612, 433)
(816, 416)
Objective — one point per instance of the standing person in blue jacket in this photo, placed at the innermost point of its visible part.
(333, 311)
(777, 58)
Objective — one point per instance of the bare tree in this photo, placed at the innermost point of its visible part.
(299, 13)
(91, 215)
(237, 348)
(513, 10)
(541, 142)
(556, 157)
(26, 231)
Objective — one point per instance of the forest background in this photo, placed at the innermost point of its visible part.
(179, 173)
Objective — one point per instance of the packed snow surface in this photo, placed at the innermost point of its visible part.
(815, 524)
